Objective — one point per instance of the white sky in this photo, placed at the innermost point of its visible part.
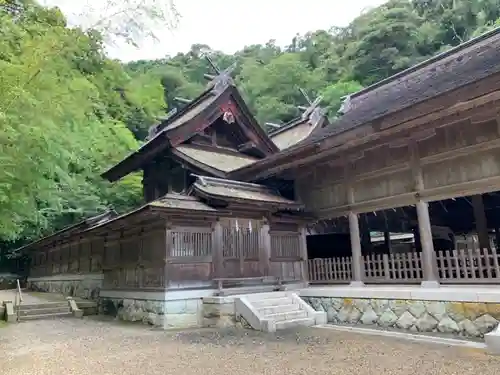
(229, 25)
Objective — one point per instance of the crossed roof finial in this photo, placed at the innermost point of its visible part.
(313, 111)
(222, 78)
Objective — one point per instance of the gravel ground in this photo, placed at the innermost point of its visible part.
(90, 346)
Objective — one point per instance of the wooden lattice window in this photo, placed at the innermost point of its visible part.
(285, 245)
(196, 242)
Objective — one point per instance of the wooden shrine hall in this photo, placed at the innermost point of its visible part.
(427, 135)
(199, 228)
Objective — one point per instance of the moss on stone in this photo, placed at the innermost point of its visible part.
(474, 310)
(494, 310)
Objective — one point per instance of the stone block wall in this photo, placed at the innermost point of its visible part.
(459, 318)
(218, 312)
(166, 314)
(85, 286)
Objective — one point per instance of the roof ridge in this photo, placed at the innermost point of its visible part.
(204, 179)
(429, 61)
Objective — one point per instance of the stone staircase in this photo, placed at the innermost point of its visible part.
(59, 309)
(273, 311)
(48, 310)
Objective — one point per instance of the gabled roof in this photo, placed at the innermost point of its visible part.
(241, 192)
(217, 161)
(195, 117)
(465, 64)
(169, 204)
(73, 229)
(298, 130)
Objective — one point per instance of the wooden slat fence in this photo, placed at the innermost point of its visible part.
(480, 266)
(468, 266)
(393, 268)
(330, 270)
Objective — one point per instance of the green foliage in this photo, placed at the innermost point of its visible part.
(67, 112)
(61, 125)
(332, 63)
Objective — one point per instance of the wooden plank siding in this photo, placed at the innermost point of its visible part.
(180, 254)
(456, 159)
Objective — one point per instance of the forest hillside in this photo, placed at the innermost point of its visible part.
(67, 112)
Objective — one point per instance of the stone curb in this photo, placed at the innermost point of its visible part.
(406, 336)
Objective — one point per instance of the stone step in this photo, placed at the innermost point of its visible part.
(272, 302)
(303, 322)
(43, 311)
(268, 310)
(262, 296)
(46, 316)
(249, 290)
(45, 305)
(288, 316)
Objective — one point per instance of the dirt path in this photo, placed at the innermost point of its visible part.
(94, 347)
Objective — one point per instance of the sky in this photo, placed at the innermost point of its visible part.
(229, 25)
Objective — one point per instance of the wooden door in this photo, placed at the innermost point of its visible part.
(241, 244)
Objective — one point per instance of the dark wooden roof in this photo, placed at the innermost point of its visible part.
(168, 204)
(465, 64)
(220, 161)
(184, 124)
(296, 131)
(73, 229)
(241, 192)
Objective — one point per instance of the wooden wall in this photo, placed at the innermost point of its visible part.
(454, 160)
(179, 253)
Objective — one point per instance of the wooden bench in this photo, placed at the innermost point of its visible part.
(221, 282)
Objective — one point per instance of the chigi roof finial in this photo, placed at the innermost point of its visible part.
(222, 78)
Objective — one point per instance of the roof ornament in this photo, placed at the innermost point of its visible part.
(314, 113)
(345, 106)
(221, 79)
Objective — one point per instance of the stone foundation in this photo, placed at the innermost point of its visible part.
(168, 310)
(470, 319)
(85, 286)
(218, 312)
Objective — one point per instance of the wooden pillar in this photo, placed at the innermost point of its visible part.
(497, 238)
(169, 242)
(387, 241)
(481, 223)
(217, 248)
(424, 221)
(357, 276)
(265, 248)
(428, 253)
(303, 254)
(366, 240)
(357, 261)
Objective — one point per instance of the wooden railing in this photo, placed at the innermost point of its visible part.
(332, 270)
(468, 266)
(382, 268)
(455, 266)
